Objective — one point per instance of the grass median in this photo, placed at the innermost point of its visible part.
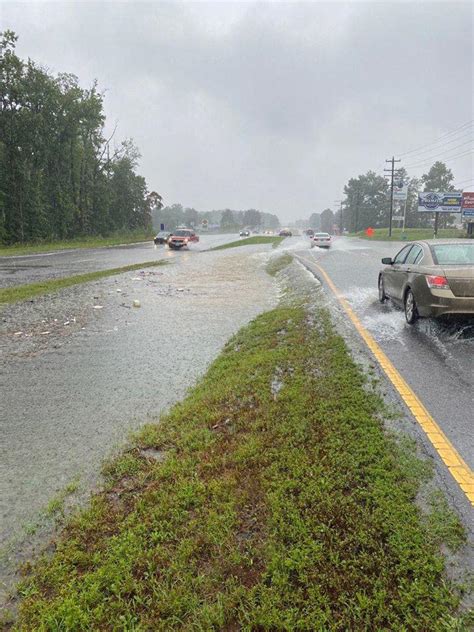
(23, 292)
(411, 234)
(271, 498)
(19, 250)
(251, 241)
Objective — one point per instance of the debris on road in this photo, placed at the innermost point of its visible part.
(136, 303)
(98, 307)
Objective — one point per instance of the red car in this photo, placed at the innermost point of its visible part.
(181, 238)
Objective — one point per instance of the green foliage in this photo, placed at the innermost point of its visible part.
(287, 511)
(227, 219)
(327, 221)
(23, 292)
(276, 264)
(57, 177)
(118, 237)
(251, 241)
(366, 202)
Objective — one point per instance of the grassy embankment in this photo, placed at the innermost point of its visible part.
(411, 234)
(23, 292)
(81, 242)
(271, 498)
(251, 241)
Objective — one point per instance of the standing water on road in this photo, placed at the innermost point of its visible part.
(76, 380)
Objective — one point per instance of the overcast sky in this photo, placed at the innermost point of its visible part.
(270, 105)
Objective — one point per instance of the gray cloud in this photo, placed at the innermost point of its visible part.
(266, 105)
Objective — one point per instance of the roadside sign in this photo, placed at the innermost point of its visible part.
(400, 190)
(449, 202)
(162, 227)
(398, 218)
(468, 205)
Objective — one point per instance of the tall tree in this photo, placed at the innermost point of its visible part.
(438, 179)
(327, 221)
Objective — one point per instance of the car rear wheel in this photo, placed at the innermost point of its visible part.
(411, 310)
(382, 296)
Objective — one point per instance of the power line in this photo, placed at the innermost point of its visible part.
(428, 160)
(469, 142)
(434, 142)
(419, 155)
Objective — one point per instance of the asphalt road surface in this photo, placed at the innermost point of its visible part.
(435, 359)
(54, 265)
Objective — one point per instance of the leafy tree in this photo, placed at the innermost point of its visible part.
(366, 202)
(327, 221)
(228, 222)
(57, 178)
(438, 179)
(252, 217)
(314, 221)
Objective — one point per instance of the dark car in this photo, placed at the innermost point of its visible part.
(244, 233)
(285, 232)
(430, 279)
(162, 237)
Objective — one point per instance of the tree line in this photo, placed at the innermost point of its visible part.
(59, 176)
(367, 201)
(225, 220)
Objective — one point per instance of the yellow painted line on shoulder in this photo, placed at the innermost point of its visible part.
(459, 469)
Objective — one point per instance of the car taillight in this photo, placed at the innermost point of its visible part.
(185, 241)
(437, 282)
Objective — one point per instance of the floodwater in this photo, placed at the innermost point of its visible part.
(82, 369)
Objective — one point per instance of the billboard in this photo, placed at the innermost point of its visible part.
(400, 190)
(439, 202)
(468, 205)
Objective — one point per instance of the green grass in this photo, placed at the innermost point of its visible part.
(411, 234)
(23, 292)
(81, 242)
(276, 264)
(251, 241)
(288, 510)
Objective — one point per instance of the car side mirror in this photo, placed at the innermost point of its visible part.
(388, 261)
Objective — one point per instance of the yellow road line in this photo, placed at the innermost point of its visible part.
(459, 469)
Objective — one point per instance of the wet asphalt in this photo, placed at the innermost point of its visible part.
(435, 358)
(40, 267)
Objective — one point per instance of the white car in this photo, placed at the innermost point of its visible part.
(322, 240)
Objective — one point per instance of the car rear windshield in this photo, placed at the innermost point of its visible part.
(453, 254)
(182, 233)
(322, 235)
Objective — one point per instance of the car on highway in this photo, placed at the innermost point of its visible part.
(162, 237)
(244, 233)
(430, 278)
(322, 240)
(181, 238)
(285, 232)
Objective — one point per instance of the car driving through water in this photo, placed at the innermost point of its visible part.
(181, 238)
(430, 279)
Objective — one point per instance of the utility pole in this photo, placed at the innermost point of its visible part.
(392, 174)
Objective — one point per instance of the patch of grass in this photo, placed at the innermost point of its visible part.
(292, 511)
(251, 241)
(444, 524)
(411, 234)
(23, 292)
(55, 506)
(276, 264)
(81, 242)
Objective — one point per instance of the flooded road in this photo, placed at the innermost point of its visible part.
(83, 368)
(436, 359)
(54, 265)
